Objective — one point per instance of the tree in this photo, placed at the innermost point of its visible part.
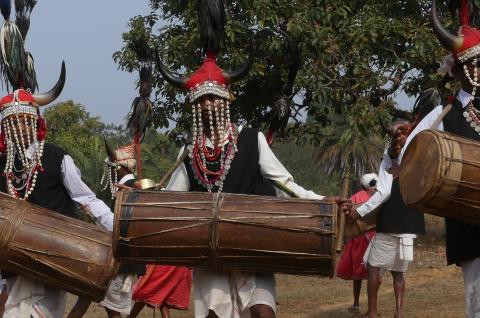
(340, 54)
(71, 127)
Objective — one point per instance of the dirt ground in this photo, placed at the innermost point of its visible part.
(432, 290)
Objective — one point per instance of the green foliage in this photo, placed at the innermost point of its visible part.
(300, 162)
(71, 127)
(349, 51)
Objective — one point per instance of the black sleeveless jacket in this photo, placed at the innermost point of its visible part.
(244, 175)
(395, 217)
(462, 239)
(49, 191)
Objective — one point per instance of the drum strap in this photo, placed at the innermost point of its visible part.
(9, 232)
(213, 235)
(440, 117)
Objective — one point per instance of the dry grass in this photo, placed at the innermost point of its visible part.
(433, 290)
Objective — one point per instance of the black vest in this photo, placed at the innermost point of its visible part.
(395, 217)
(462, 239)
(49, 191)
(244, 175)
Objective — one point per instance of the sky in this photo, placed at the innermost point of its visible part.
(85, 34)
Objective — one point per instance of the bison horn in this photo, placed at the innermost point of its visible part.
(451, 42)
(236, 75)
(51, 95)
(168, 76)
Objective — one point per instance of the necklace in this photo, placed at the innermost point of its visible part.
(472, 117)
(211, 165)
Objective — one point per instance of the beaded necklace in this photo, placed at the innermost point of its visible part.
(472, 117)
(221, 154)
(471, 114)
(31, 165)
(107, 179)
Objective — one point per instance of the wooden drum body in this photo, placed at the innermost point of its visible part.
(354, 228)
(440, 175)
(59, 251)
(226, 231)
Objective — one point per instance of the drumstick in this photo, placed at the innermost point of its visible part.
(284, 188)
(173, 168)
(341, 227)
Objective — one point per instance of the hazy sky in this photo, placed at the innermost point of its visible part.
(85, 34)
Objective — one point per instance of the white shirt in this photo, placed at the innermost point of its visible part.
(81, 193)
(384, 183)
(126, 178)
(270, 168)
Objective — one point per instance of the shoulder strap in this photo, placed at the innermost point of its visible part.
(441, 116)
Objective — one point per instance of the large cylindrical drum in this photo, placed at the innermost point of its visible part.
(440, 175)
(59, 251)
(226, 231)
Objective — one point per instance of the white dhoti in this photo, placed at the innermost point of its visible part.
(29, 298)
(471, 282)
(119, 294)
(390, 252)
(231, 294)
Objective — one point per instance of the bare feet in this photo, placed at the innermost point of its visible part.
(354, 309)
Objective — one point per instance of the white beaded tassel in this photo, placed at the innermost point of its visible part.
(474, 81)
(200, 143)
(216, 109)
(210, 121)
(17, 145)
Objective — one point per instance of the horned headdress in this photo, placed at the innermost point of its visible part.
(21, 108)
(465, 46)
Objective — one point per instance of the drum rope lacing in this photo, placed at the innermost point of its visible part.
(213, 235)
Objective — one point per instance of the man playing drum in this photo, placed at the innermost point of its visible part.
(224, 157)
(45, 175)
(397, 225)
(33, 170)
(460, 118)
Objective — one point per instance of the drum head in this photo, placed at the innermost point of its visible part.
(420, 167)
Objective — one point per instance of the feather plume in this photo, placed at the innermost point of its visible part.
(23, 10)
(279, 116)
(30, 75)
(141, 113)
(211, 16)
(13, 57)
(6, 8)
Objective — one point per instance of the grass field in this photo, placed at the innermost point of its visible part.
(433, 290)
